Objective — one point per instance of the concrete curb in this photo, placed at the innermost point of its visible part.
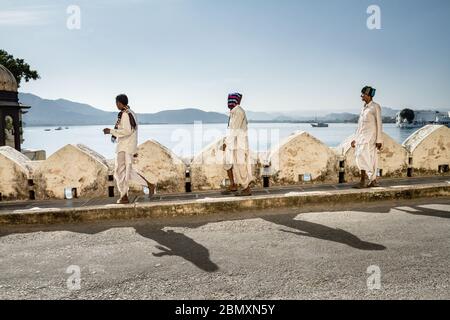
(301, 201)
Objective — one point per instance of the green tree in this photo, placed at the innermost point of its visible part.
(18, 67)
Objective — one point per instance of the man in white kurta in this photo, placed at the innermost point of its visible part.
(368, 139)
(236, 147)
(126, 149)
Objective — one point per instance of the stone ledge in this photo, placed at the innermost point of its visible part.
(302, 201)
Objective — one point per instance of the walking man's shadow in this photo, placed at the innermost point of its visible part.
(319, 231)
(172, 243)
(425, 211)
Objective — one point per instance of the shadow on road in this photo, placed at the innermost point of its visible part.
(320, 231)
(172, 243)
(178, 244)
(418, 210)
(429, 212)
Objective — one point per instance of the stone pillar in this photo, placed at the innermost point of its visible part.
(73, 166)
(158, 164)
(429, 150)
(301, 158)
(15, 174)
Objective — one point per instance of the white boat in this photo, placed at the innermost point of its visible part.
(319, 125)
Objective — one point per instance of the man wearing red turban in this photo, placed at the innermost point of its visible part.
(236, 147)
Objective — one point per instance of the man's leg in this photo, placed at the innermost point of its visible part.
(364, 177)
(133, 175)
(244, 170)
(246, 192)
(373, 178)
(233, 186)
(151, 186)
(140, 179)
(362, 158)
(120, 175)
(363, 183)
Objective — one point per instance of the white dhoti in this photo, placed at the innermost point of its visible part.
(367, 159)
(238, 160)
(124, 173)
(237, 152)
(368, 134)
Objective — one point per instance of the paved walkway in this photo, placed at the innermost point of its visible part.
(9, 206)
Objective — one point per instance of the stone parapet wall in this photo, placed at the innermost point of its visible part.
(300, 158)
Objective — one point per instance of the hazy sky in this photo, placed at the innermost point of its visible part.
(282, 55)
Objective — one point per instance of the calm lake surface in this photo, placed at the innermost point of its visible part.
(188, 139)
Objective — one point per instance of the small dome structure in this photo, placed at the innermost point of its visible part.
(7, 80)
(11, 111)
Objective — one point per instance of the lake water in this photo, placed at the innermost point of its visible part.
(188, 139)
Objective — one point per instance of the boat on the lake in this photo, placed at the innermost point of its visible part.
(47, 129)
(59, 128)
(320, 125)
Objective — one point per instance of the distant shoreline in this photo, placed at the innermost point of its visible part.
(186, 123)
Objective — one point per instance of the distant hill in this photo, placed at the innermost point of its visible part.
(63, 112)
(183, 116)
(344, 116)
(313, 115)
(388, 112)
(263, 116)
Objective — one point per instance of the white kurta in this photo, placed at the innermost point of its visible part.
(126, 148)
(237, 152)
(126, 136)
(369, 133)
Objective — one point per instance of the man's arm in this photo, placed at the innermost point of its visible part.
(379, 124)
(235, 120)
(126, 129)
(355, 135)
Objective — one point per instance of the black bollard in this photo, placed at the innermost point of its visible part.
(111, 191)
(188, 186)
(266, 182)
(341, 171)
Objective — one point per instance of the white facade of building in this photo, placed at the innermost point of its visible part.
(424, 117)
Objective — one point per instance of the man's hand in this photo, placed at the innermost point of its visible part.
(379, 145)
(224, 146)
(353, 143)
(107, 131)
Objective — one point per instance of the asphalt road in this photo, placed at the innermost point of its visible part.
(261, 255)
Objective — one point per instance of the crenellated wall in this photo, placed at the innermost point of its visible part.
(300, 158)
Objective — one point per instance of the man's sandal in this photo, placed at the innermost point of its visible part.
(151, 189)
(374, 184)
(227, 192)
(243, 194)
(361, 185)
